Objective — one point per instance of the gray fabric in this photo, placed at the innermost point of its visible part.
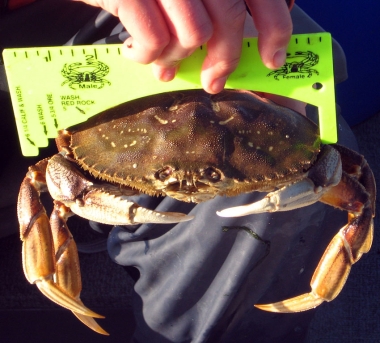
(198, 283)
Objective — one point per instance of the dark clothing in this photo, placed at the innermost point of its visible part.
(199, 280)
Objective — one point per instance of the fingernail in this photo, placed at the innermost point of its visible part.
(126, 49)
(164, 74)
(279, 58)
(128, 42)
(218, 84)
(168, 74)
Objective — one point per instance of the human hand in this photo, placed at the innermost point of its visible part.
(164, 32)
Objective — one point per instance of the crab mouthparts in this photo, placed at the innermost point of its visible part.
(190, 191)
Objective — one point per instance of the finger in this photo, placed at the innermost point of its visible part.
(144, 22)
(224, 47)
(274, 24)
(146, 25)
(189, 26)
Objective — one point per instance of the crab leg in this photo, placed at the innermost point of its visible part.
(348, 245)
(50, 257)
(42, 263)
(67, 275)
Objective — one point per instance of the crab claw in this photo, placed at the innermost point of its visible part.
(299, 194)
(103, 203)
(144, 215)
(325, 174)
(111, 207)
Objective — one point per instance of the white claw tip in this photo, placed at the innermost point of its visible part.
(221, 213)
(229, 212)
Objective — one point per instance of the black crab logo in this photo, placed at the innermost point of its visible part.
(299, 67)
(86, 75)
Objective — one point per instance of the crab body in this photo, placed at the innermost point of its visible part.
(191, 146)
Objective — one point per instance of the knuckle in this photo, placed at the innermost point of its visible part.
(236, 13)
(198, 36)
(149, 50)
(227, 66)
(282, 28)
(156, 42)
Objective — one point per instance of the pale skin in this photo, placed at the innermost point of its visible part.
(163, 32)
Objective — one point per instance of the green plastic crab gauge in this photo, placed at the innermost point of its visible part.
(53, 88)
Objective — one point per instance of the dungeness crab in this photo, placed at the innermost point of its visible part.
(191, 146)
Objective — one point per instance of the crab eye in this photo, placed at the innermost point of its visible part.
(212, 174)
(163, 173)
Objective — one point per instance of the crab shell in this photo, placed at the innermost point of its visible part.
(192, 145)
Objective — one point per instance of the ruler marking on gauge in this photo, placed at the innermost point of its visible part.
(56, 87)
